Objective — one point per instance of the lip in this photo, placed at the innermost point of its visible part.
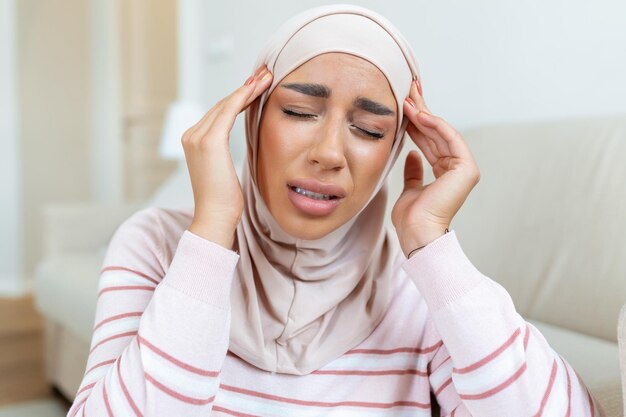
(318, 187)
(311, 206)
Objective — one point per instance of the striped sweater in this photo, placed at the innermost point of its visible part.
(451, 340)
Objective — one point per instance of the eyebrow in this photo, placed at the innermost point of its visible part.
(319, 90)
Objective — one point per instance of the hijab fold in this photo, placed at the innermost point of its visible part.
(297, 304)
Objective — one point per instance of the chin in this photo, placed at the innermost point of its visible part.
(307, 229)
(301, 225)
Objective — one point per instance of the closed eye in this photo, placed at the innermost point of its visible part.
(372, 134)
(295, 114)
(310, 116)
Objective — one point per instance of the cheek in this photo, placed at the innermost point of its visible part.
(368, 163)
(279, 147)
(283, 141)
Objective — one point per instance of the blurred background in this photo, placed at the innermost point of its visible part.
(94, 95)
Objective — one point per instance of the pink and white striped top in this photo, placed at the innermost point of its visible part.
(160, 342)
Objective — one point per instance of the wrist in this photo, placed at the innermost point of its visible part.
(221, 234)
(413, 244)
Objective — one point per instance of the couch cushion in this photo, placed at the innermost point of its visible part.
(545, 220)
(175, 192)
(66, 288)
(595, 360)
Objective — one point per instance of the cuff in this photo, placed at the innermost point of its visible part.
(442, 272)
(202, 269)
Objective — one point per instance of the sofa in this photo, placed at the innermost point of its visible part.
(546, 221)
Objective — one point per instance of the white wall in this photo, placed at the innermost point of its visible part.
(106, 102)
(11, 282)
(482, 61)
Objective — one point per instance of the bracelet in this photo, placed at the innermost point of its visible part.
(421, 247)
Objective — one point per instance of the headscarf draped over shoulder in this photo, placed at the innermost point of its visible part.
(299, 304)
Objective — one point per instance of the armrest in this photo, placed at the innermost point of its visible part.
(621, 340)
(82, 226)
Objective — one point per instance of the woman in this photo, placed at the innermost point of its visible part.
(286, 295)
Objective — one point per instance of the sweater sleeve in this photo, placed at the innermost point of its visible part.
(161, 331)
(491, 361)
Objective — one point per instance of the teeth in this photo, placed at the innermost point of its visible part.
(311, 194)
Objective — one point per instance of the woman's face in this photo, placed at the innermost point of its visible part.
(330, 122)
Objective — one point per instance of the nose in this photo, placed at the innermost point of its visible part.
(327, 149)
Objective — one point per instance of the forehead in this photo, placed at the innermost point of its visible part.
(344, 74)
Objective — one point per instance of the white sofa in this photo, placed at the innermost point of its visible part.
(546, 221)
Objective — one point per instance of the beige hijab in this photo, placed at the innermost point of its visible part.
(298, 304)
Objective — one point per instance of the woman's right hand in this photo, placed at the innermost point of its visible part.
(217, 194)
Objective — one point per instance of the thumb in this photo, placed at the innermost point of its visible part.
(413, 171)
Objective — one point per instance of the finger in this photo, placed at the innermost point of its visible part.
(207, 119)
(237, 103)
(416, 95)
(418, 84)
(417, 98)
(445, 136)
(447, 139)
(428, 129)
(259, 85)
(438, 146)
(225, 112)
(262, 81)
(442, 132)
(413, 171)
(191, 131)
(197, 131)
(422, 143)
(433, 147)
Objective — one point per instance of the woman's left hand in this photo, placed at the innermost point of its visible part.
(423, 212)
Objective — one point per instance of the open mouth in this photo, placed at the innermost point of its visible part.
(312, 203)
(313, 195)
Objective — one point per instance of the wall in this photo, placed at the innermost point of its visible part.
(149, 70)
(105, 122)
(482, 61)
(54, 111)
(11, 250)
(94, 80)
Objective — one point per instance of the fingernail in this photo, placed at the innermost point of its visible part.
(266, 76)
(260, 75)
(408, 100)
(418, 87)
(249, 80)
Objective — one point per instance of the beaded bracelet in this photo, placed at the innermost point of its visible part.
(421, 247)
